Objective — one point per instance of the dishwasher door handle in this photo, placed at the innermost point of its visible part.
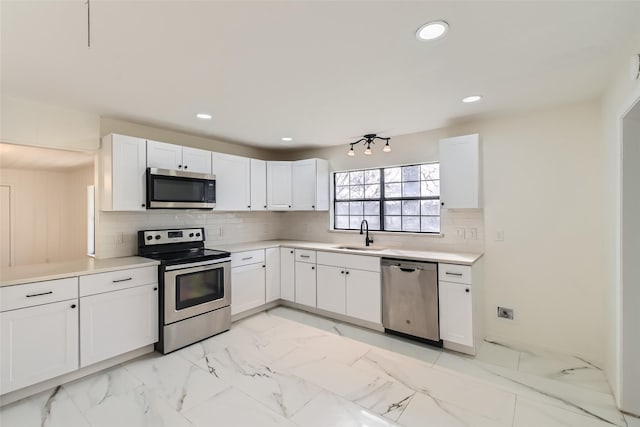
(405, 269)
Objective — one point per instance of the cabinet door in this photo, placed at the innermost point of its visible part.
(196, 160)
(460, 172)
(287, 274)
(322, 185)
(278, 186)
(331, 289)
(115, 322)
(247, 287)
(304, 185)
(272, 261)
(129, 165)
(456, 324)
(38, 343)
(306, 283)
(258, 185)
(364, 295)
(233, 181)
(164, 156)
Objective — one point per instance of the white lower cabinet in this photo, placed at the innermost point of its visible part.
(456, 314)
(305, 292)
(350, 285)
(287, 274)
(247, 287)
(113, 323)
(272, 274)
(38, 343)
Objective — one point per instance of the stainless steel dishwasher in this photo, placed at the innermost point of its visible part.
(410, 299)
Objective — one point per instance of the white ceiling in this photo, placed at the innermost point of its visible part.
(321, 72)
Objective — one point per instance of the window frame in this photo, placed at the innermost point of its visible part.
(382, 199)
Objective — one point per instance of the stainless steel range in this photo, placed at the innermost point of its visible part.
(195, 283)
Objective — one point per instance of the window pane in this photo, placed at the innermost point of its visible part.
(372, 191)
(430, 188)
(356, 192)
(374, 222)
(356, 177)
(372, 176)
(411, 189)
(342, 178)
(430, 224)
(392, 223)
(372, 208)
(410, 223)
(430, 207)
(431, 171)
(392, 190)
(354, 221)
(342, 193)
(342, 208)
(411, 173)
(355, 208)
(392, 208)
(411, 207)
(342, 222)
(392, 175)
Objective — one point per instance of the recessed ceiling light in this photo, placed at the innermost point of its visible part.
(472, 98)
(432, 30)
(203, 116)
(287, 138)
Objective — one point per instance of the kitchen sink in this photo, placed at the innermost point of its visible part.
(359, 248)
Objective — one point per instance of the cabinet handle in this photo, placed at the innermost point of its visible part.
(143, 205)
(304, 256)
(448, 273)
(179, 166)
(249, 206)
(73, 306)
(264, 266)
(155, 289)
(442, 204)
(342, 272)
(313, 268)
(346, 272)
(289, 206)
(467, 290)
(291, 252)
(185, 166)
(40, 294)
(122, 280)
(265, 206)
(247, 258)
(313, 206)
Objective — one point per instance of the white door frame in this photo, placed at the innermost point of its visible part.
(632, 101)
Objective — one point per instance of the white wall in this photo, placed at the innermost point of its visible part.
(47, 220)
(543, 187)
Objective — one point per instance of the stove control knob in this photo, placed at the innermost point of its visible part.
(149, 237)
(197, 234)
(157, 237)
(190, 234)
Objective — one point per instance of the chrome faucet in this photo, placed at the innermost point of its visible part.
(367, 240)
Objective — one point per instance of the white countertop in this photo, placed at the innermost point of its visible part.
(462, 258)
(39, 272)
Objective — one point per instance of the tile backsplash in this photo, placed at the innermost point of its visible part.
(116, 232)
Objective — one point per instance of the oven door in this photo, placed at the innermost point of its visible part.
(193, 290)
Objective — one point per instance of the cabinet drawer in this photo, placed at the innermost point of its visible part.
(454, 273)
(31, 294)
(115, 280)
(304, 255)
(358, 262)
(247, 257)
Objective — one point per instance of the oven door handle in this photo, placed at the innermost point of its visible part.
(196, 264)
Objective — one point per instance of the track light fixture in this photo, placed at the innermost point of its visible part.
(367, 140)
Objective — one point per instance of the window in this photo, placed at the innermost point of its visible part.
(402, 198)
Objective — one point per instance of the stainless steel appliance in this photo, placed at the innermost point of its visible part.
(410, 299)
(195, 284)
(171, 189)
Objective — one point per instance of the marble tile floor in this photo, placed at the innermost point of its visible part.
(289, 368)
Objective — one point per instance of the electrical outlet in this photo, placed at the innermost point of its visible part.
(505, 313)
(460, 232)
(472, 233)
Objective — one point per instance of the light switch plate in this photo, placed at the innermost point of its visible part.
(499, 235)
(460, 232)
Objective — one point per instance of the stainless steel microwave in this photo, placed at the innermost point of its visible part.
(171, 189)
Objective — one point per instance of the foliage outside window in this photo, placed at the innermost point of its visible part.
(402, 198)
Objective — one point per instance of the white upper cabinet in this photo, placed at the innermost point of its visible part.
(279, 188)
(233, 182)
(123, 164)
(170, 156)
(460, 172)
(310, 185)
(258, 185)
